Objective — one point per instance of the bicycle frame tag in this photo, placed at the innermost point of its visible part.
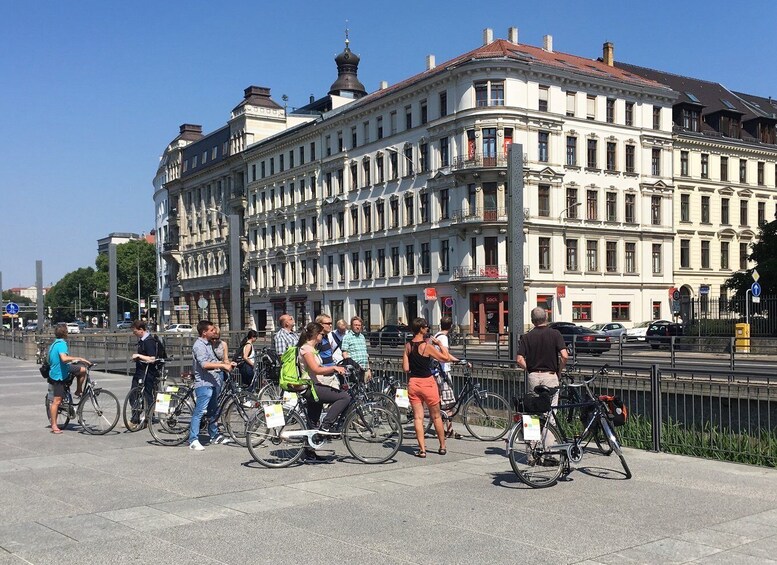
(531, 427)
(171, 389)
(162, 403)
(401, 398)
(273, 415)
(289, 399)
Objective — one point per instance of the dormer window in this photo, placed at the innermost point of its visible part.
(690, 119)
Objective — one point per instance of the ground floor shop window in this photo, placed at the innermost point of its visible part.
(581, 311)
(656, 310)
(621, 311)
(546, 301)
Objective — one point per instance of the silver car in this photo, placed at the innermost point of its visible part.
(637, 333)
(613, 329)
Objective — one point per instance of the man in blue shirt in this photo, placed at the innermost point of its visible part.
(208, 380)
(62, 373)
(325, 347)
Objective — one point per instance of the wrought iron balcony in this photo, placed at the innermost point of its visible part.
(480, 273)
(479, 215)
(170, 247)
(478, 161)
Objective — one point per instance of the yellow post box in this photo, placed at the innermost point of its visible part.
(743, 338)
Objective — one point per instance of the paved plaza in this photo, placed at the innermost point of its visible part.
(75, 498)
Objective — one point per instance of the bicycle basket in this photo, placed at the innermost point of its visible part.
(535, 403)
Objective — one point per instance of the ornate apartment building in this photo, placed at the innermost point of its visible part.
(393, 204)
(725, 169)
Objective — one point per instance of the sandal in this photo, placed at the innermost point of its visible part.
(421, 454)
(451, 434)
(442, 451)
(57, 431)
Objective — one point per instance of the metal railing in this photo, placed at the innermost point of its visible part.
(478, 160)
(481, 272)
(477, 215)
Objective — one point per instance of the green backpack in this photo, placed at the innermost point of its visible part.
(292, 376)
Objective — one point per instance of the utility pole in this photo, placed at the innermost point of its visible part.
(138, 258)
(113, 308)
(39, 289)
(515, 240)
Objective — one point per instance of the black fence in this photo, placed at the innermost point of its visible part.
(708, 315)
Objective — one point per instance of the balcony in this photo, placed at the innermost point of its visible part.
(478, 161)
(479, 215)
(169, 247)
(480, 273)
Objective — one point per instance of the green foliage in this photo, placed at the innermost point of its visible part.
(9, 296)
(62, 298)
(757, 448)
(131, 257)
(764, 255)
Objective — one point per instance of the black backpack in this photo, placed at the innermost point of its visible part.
(161, 350)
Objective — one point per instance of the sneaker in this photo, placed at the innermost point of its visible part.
(221, 439)
(196, 445)
(312, 456)
(327, 429)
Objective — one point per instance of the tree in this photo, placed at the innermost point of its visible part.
(133, 257)
(9, 296)
(764, 255)
(63, 297)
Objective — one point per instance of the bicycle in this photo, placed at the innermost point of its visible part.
(539, 454)
(135, 412)
(172, 412)
(570, 394)
(486, 415)
(279, 435)
(97, 411)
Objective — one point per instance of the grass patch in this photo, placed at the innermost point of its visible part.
(705, 441)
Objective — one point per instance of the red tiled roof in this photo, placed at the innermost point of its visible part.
(503, 49)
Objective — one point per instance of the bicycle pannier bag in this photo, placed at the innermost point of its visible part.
(536, 403)
(619, 414)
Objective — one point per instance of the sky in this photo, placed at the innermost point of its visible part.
(93, 91)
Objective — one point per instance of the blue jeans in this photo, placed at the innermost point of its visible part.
(206, 398)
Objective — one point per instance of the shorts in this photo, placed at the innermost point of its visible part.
(57, 388)
(423, 390)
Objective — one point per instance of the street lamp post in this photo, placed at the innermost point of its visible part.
(235, 308)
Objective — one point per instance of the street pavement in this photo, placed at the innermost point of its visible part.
(75, 498)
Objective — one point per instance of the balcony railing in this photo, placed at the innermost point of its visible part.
(480, 273)
(170, 247)
(477, 215)
(478, 161)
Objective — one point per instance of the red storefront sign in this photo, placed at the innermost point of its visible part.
(561, 291)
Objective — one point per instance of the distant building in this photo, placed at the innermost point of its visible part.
(30, 292)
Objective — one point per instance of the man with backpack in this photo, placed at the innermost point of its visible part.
(325, 347)
(146, 371)
(285, 337)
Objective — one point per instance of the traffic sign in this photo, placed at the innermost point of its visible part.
(755, 288)
(12, 308)
(202, 303)
(704, 289)
(756, 299)
(94, 320)
(756, 276)
(676, 295)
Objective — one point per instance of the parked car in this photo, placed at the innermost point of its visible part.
(73, 328)
(613, 329)
(586, 340)
(124, 325)
(179, 328)
(391, 335)
(637, 333)
(31, 327)
(661, 332)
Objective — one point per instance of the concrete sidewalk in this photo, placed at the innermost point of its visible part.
(75, 498)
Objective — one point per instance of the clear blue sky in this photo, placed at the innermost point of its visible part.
(94, 90)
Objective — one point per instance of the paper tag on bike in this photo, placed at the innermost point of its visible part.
(531, 427)
(401, 398)
(162, 403)
(273, 415)
(289, 399)
(171, 389)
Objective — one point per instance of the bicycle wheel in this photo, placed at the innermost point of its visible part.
(270, 446)
(372, 434)
(612, 439)
(600, 438)
(271, 391)
(535, 465)
(237, 412)
(134, 413)
(98, 412)
(384, 401)
(63, 413)
(487, 416)
(171, 427)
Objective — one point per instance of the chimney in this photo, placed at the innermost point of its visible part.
(430, 64)
(312, 98)
(488, 36)
(548, 43)
(512, 35)
(608, 53)
(260, 91)
(383, 85)
(190, 128)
